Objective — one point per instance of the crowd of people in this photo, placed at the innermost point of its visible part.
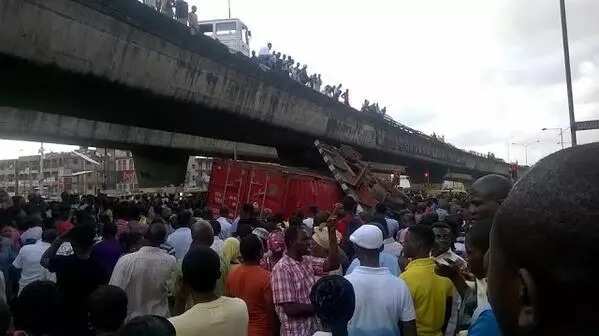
(267, 58)
(271, 60)
(506, 260)
(373, 108)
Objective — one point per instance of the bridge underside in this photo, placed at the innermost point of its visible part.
(29, 86)
(160, 156)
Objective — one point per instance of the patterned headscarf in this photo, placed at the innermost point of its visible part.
(231, 251)
(276, 242)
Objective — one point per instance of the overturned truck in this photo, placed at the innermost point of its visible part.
(285, 190)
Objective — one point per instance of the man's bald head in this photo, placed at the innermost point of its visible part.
(544, 247)
(156, 234)
(492, 186)
(202, 233)
(487, 194)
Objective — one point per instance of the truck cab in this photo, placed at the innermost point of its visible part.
(231, 32)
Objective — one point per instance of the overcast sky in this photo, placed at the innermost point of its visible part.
(482, 73)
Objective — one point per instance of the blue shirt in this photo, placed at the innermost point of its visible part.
(485, 325)
(385, 260)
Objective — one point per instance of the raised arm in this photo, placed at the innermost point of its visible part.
(333, 259)
(51, 251)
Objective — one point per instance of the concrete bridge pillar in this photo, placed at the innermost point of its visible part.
(421, 175)
(158, 168)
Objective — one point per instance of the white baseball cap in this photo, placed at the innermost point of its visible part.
(368, 237)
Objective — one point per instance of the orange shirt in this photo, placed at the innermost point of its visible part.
(252, 285)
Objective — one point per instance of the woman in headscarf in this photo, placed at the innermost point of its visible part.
(276, 247)
(228, 261)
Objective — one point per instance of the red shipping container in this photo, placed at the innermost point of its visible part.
(280, 189)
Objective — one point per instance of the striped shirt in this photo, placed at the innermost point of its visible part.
(291, 282)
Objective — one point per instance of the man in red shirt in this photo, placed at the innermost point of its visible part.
(348, 224)
(251, 283)
(63, 224)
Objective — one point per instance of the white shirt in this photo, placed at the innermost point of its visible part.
(151, 3)
(392, 247)
(264, 51)
(309, 222)
(217, 246)
(193, 20)
(28, 261)
(146, 276)
(65, 249)
(34, 233)
(393, 226)
(322, 333)
(378, 311)
(180, 240)
(225, 228)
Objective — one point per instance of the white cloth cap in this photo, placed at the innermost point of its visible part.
(368, 237)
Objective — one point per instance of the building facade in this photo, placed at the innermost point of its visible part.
(87, 171)
(197, 177)
(74, 172)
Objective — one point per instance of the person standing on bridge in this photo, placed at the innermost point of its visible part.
(152, 4)
(337, 92)
(193, 20)
(345, 97)
(264, 54)
(166, 8)
(181, 11)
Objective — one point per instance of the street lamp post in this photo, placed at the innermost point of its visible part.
(525, 146)
(568, 71)
(561, 133)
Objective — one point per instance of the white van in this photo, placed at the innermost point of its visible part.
(231, 32)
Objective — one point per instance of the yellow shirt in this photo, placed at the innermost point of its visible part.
(429, 292)
(222, 317)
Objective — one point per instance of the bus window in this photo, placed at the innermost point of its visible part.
(206, 29)
(226, 28)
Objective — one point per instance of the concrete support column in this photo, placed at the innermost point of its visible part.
(159, 168)
(421, 175)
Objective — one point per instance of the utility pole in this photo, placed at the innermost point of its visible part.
(105, 169)
(229, 2)
(41, 176)
(16, 177)
(561, 133)
(525, 146)
(568, 71)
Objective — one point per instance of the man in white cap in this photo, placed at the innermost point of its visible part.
(383, 302)
(386, 260)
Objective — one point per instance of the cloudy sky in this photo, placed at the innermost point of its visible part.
(482, 73)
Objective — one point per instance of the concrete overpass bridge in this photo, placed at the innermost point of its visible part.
(108, 62)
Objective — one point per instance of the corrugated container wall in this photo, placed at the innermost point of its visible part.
(281, 189)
